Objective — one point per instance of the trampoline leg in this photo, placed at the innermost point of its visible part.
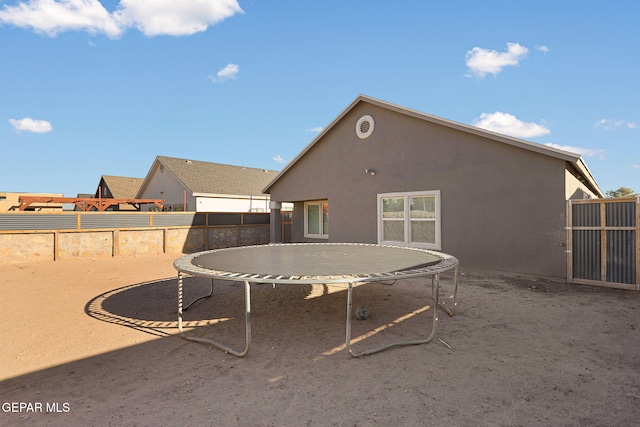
(435, 285)
(226, 349)
(452, 310)
(199, 298)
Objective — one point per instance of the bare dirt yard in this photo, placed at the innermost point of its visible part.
(95, 342)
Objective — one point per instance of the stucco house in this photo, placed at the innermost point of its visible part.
(10, 201)
(382, 173)
(192, 185)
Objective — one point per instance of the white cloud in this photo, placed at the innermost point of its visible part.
(579, 150)
(31, 125)
(53, 17)
(152, 17)
(543, 49)
(228, 72)
(315, 129)
(609, 124)
(174, 18)
(509, 124)
(483, 61)
(279, 159)
(636, 166)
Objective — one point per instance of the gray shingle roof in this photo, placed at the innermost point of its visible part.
(123, 187)
(216, 178)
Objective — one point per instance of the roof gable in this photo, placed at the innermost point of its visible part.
(570, 157)
(122, 187)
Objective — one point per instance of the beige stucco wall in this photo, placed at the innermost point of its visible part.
(503, 207)
(574, 189)
(164, 185)
(232, 204)
(11, 202)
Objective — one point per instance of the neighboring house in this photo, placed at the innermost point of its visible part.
(118, 187)
(10, 202)
(191, 185)
(381, 173)
(82, 196)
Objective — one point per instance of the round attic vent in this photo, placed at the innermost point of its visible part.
(365, 126)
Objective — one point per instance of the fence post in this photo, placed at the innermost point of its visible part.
(638, 242)
(56, 237)
(115, 241)
(165, 237)
(603, 241)
(569, 247)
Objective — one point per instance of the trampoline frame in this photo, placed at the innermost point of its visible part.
(185, 266)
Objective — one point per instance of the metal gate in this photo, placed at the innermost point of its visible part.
(602, 242)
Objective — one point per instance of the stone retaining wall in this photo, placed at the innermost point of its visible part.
(49, 245)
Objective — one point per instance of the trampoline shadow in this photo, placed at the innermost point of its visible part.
(282, 315)
(152, 307)
(148, 307)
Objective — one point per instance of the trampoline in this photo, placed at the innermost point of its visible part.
(316, 263)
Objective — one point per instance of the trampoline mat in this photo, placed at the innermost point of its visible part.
(315, 260)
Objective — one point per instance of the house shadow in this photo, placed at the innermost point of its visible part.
(296, 328)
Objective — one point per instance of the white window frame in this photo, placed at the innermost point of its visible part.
(319, 203)
(407, 219)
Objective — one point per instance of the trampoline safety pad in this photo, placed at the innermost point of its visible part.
(315, 260)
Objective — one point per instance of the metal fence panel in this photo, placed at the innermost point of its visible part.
(225, 219)
(174, 220)
(621, 256)
(586, 254)
(603, 242)
(621, 214)
(102, 220)
(256, 218)
(96, 220)
(31, 221)
(586, 215)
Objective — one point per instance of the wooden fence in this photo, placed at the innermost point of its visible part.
(603, 247)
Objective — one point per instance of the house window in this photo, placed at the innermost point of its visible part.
(316, 219)
(411, 219)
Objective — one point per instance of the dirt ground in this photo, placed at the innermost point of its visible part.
(95, 342)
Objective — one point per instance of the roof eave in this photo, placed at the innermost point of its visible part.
(581, 166)
(313, 142)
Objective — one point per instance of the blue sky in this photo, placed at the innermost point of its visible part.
(91, 88)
